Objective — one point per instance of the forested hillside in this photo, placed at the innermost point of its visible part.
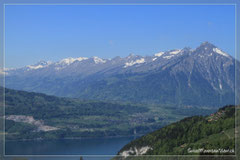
(32, 115)
(213, 134)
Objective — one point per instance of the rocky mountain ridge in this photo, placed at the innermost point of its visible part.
(181, 76)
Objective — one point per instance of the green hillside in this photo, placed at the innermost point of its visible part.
(29, 113)
(197, 135)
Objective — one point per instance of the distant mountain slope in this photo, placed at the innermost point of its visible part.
(204, 76)
(32, 115)
(193, 135)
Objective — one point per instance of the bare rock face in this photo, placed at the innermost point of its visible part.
(30, 120)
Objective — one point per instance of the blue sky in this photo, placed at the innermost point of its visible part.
(54, 32)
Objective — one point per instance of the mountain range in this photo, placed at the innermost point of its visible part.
(204, 76)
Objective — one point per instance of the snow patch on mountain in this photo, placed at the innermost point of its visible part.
(138, 61)
(175, 51)
(168, 57)
(35, 67)
(67, 61)
(154, 59)
(159, 54)
(98, 60)
(216, 50)
(70, 60)
(220, 86)
(41, 64)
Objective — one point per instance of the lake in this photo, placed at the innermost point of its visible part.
(90, 149)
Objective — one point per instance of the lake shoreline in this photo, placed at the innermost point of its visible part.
(94, 146)
(40, 139)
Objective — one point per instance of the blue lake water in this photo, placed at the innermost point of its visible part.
(90, 149)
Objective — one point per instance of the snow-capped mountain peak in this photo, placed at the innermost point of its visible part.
(40, 64)
(208, 49)
(175, 51)
(70, 60)
(183, 70)
(131, 63)
(159, 54)
(35, 67)
(98, 60)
